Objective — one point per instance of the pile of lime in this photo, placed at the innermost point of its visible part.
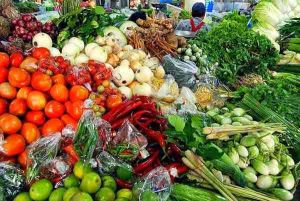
(82, 185)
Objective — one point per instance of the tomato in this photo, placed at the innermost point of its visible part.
(54, 109)
(16, 59)
(40, 52)
(22, 159)
(9, 123)
(3, 74)
(30, 132)
(68, 120)
(7, 91)
(36, 117)
(113, 101)
(4, 60)
(3, 106)
(23, 92)
(30, 64)
(74, 109)
(18, 77)
(36, 100)
(58, 79)
(59, 93)
(18, 107)
(41, 81)
(78, 92)
(14, 144)
(52, 126)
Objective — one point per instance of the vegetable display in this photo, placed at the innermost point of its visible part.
(119, 110)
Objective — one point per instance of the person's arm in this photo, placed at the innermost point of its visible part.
(182, 26)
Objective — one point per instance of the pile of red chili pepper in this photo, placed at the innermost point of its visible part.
(143, 113)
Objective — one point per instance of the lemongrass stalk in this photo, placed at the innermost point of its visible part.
(236, 190)
(201, 169)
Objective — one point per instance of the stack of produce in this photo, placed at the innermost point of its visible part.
(7, 14)
(268, 16)
(82, 184)
(156, 36)
(241, 51)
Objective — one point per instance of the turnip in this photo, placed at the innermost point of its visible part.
(143, 89)
(78, 42)
(98, 54)
(143, 74)
(55, 52)
(126, 91)
(70, 50)
(81, 58)
(89, 47)
(42, 40)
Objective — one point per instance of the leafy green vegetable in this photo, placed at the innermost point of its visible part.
(177, 122)
(86, 24)
(237, 49)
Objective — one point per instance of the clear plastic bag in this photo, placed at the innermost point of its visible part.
(41, 152)
(169, 91)
(128, 142)
(156, 185)
(210, 92)
(187, 101)
(12, 180)
(79, 76)
(183, 72)
(92, 136)
(108, 164)
(56, 169)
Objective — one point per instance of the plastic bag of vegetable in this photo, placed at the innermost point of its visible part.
(108, 164)
(183, 72)
(40, 153)
(79, 76)
(187, 101)
(92, 136)
(128, 142)
(210, 92)
(12, 181)
(169, 91)
(155, 186)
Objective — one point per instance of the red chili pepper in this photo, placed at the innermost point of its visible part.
(142, 166)
(123, 184)
(70, 150)
(178, 169)
(117, 124)
(154, 135)
(128, 109)
(174, 150)
(109, 116)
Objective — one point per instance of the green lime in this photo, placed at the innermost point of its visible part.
(105, 194)
(109, 182)
(57, 194)
(91, 182)
(71, 181)
(80, 169)
(124, 173)
(122, 199)
(81, 196)
(41, 190)
(124, 193)
(24, 196)
(70, 193)
(149, 196)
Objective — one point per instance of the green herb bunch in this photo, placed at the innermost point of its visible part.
(237, 49)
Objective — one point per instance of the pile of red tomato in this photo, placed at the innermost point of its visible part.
(32, 105)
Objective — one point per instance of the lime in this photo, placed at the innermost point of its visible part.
(81, 196)
(90, 183)
(124, 193)
(80, 169)
(70, 193)
(105, 194)
(122, 199)
(149, 196)
(124, 173)
(109, 182)
(71, 181)
(40, 190)
(57, 194)
(24, 196)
